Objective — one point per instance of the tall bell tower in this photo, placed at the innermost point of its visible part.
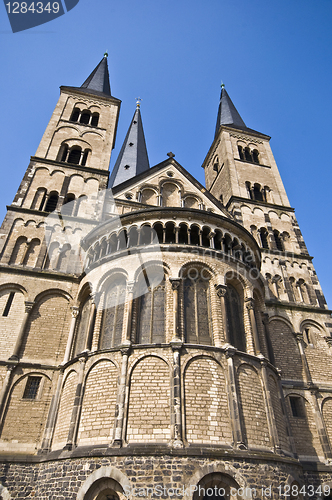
(240, 171)
(71, 162)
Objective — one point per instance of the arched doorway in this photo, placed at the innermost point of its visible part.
(105, 489)
(216, 486)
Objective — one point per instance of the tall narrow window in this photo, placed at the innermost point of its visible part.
(264, 237)
(85, 117)
(255, 156)
(258, 195)
(74, 156)
(241, 153)
(31, 388)
(234, 312)
(278, 240)
(95, 120)
(8, 304)
(82, 328)
(113, 315)
(52, 202)
(75, 115)
(197, 314)
(151, 321)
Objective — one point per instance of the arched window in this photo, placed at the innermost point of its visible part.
(75, 115)
(68, 204)
(95, 119)
(51, 202)
(255, 156)
(145, 235)
(83, 327)
(170, 232)
(278, 240)
(241, 153)
(133, 237)
(264, 237)
(205, 237)
(197, 308)
(85, 157)
(247, 154)
(194, 235)
(227, 243)
(31, 255)
(113, 314)
(74, 155)
(159, 231)
(183, 234)
(52, 255)
(218, 240)
(19, 250)
(64, 258)
(39, 199)
(249, 190)
(151, 319)
(85, 117)
(258, 195)
(234, 312)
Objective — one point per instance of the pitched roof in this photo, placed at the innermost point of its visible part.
(227, 112)
(133, 158)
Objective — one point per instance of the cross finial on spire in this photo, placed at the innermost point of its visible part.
(138, 102)
(222, 84)
(106, 53)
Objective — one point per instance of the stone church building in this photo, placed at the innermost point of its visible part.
(160, 338)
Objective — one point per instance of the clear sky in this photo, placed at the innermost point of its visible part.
(274, 57)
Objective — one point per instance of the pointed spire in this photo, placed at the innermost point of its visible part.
(99, 80)
(227, 112)
(133, 158)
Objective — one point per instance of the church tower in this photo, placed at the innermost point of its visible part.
(159, 338)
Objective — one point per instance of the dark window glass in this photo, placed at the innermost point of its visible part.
(95, 120)
(85, 118)
(234, 311)
(297, 406)
(264, 239)
(113, 315)
(196, 296)
(74, 156)
(75, 115)
(151, 324)
(51, 202)
(8, 304)
(31, 389)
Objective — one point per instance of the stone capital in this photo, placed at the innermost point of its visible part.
(130, 286)
(250, 302)
(328, 340)
(75, 311)
(230, 352)
(221, 290)
(28, 306)
(298, 337)
(175, 282)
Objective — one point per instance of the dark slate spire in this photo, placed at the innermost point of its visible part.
(99, 80)
(133, 158)
(227, 112)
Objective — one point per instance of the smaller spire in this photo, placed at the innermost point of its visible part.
(133, 157)
(227, 112)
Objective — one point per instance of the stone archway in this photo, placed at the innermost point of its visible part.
(106, 483)
(216, 486)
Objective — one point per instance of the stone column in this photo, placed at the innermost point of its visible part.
(176, 418)
(250, 307)
(91, 322)
(176, 229)
(74, 313)
(265, 321)
(19, 340)
(52, 414)
(324, 440)
(120, 405)
(221, 292)
(130, 302)
(233, 401)
(200, 239)
(5, 387)
(75, 416)
(175, 282)
(273, 431)
(306, 371)
(98, 323)
(285, 414)
(211, 236)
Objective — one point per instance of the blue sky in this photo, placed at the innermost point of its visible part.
(274, 57)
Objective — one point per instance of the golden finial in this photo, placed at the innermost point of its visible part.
(138, 102)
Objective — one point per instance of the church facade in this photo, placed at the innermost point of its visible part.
(159, 338)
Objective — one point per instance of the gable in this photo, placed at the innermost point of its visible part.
(166, 185)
